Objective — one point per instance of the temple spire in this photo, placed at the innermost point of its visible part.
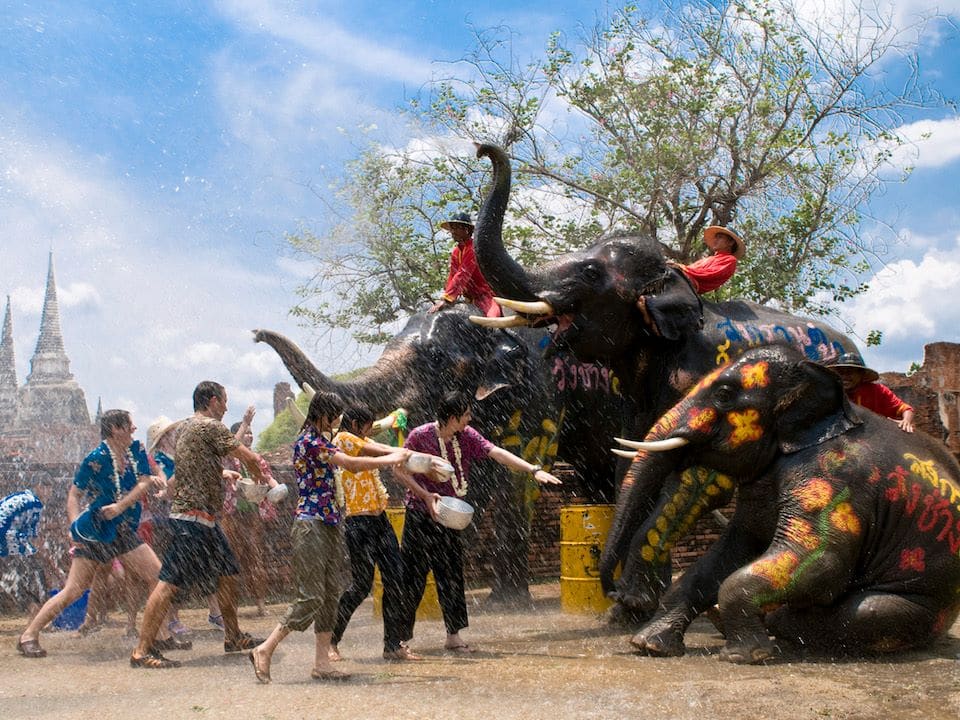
(50, 363)
(8, 371)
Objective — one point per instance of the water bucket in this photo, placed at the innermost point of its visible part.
(583, 531)
(429, 608)
(73, 614)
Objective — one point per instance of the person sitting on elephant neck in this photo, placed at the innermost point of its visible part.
(710, 272)
(464, 277)
(861, 386)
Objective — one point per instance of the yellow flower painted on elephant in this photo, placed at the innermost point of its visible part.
(832, 460)
(913, 559)
(746, 427)
(702, 419)
(844, 518)
(756, 375)
(776, 570)
(813, 495)
(801, 533)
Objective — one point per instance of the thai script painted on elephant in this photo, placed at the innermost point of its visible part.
(569, 374)
(809, 339)
(937, 510)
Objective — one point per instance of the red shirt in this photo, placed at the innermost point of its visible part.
(466, 279)
(711, 272)
(879, 398)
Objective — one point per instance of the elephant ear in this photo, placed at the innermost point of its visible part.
(812, 408)
(674, 305)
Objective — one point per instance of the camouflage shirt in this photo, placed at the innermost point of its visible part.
(202, 444)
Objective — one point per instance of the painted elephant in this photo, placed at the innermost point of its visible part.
(846, 534)
(590, 299)
(537, 405)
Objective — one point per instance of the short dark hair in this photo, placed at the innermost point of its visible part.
(235, 427)
(323, 405)
(453, 404)
(205, 392)
(113, 419)
(355, 417)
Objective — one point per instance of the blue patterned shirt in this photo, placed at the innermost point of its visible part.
(315, 479)
(95, 477)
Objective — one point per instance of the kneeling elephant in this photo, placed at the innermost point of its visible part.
(846, 534)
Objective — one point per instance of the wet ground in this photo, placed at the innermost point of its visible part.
(539, 663)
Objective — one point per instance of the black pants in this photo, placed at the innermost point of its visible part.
(371, 541)
(428, 546)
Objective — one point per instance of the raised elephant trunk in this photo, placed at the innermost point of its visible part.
(505, 275)
(380, 387)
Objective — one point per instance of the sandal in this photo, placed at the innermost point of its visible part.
(172, 643)
(263, 676)
(333, 675)
(241, 643)
(153, 661)
(30, 649)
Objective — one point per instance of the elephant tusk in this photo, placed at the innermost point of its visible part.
(623, 453)
(484, 392)
(500, 322)
(309, 391)
(530, 308)
(655, 445)
(295, 411)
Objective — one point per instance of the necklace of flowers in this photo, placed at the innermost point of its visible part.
(116, 472)
(459, 480)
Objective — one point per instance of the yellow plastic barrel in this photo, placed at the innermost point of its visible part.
(429, 608)
(583, 531)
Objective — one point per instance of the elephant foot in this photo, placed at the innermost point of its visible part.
(748, 651)
(667, 642)
(622, 616)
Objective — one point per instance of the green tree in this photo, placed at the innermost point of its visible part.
(661, 121)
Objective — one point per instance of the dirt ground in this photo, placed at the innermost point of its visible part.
(540, 663)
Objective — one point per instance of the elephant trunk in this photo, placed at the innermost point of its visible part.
(505, 275)
(380, 388)
(638, 497)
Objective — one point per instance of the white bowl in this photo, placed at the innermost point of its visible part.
(444, 468)
(277, 494)
(419, 463)
(252, 490)
(454, 513)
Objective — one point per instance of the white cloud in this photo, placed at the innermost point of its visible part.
(930, 144)
(910, 302)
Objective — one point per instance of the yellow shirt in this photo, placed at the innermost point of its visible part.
(363, 493)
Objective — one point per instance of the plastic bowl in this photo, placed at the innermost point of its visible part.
(454, 513)
(277, 494)
(419, 463)
(251, 490)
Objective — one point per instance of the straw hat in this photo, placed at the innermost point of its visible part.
(458, 219)
(713, 234)
(852, 361)
(158, 428)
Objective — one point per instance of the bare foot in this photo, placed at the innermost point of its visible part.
(333, 654)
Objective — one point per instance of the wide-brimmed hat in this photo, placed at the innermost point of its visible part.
(158, 428)
(713, 234)
(458, 219)
(852, 361)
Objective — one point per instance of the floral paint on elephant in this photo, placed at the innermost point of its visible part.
(539, 449)
(807, 338)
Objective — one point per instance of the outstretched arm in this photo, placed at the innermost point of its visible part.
(508, 459)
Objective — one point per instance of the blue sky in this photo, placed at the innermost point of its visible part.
(162, 151)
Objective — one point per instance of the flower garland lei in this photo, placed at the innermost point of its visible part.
(459, 480)
(118, 490)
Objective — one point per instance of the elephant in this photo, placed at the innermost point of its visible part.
(846, 533)
(590, 299)
(537, 405)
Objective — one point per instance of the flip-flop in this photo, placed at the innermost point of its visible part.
(262, 675)
(334, 675)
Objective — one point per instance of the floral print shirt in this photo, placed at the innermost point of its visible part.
(95, 477)
(363, 492)
(315, 479)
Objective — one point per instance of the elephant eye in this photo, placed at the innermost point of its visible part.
(725, 394)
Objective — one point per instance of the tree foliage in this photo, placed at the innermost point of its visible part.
(660, 121)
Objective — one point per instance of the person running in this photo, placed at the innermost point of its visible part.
(112, 478)
(199, 557)
(319, 548)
